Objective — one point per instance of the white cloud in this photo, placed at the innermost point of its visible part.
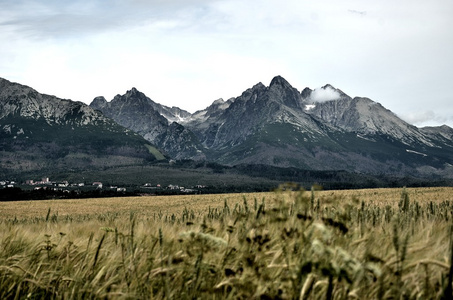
(324, 94)
(426, 118)
(419, 117)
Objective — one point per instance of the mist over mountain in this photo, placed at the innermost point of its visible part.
(276, 125)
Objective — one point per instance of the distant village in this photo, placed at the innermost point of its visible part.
(46, 184)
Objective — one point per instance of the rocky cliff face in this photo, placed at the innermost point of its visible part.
(318, 129)
(24, 102)
(278, 125)
(249, 113)
(39, 131)
(441, 133)
(321, 129)
(366, 117)
(156, 123)
(135, 111)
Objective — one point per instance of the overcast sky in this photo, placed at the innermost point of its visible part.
(188, 53)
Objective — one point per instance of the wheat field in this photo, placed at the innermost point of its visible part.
(288, 244)
(149, 205)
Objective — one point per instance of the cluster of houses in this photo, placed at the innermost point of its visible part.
(174, 187)
(46, 183)
(179, 188)
(44, 180)
(7, 183)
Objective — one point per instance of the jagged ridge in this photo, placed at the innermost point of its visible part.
(278, 125)
(39, 131)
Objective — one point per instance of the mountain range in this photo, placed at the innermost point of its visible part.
(276, 126)
(40, 132)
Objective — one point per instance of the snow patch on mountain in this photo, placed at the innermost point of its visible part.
(175, 118)
(415, 152)
(366, 138)
(309, 107)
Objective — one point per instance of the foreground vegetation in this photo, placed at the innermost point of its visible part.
(369, 244)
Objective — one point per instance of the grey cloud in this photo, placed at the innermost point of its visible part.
(61, 19)
(54, 19)
(425, 118)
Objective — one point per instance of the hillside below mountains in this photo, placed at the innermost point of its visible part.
(277, 125)
(39, 133)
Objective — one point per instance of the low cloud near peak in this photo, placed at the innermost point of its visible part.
(324, 94)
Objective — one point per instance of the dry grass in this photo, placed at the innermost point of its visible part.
(200, 203)
(146, 206)
(391, 196)
(364, 244)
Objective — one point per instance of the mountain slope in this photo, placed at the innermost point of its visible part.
(39, 132)
(369, 120)
(321, 129)
(279, 126)
(316, 129)
(366, 117)
(251, 112)
(156, 123)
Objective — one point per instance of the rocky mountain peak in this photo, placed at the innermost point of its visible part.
(279, 81)
(219, 101)
(218, 105)
(443, 130)
(251, 93)
(20, 101)
(328, 86)
(281, 91)
(306, 93)
(99, 102)
(133, 91)
(332, 88)
(323, 94)
(12, 90)
(446, 128)
(256, 88)
(134, 94)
